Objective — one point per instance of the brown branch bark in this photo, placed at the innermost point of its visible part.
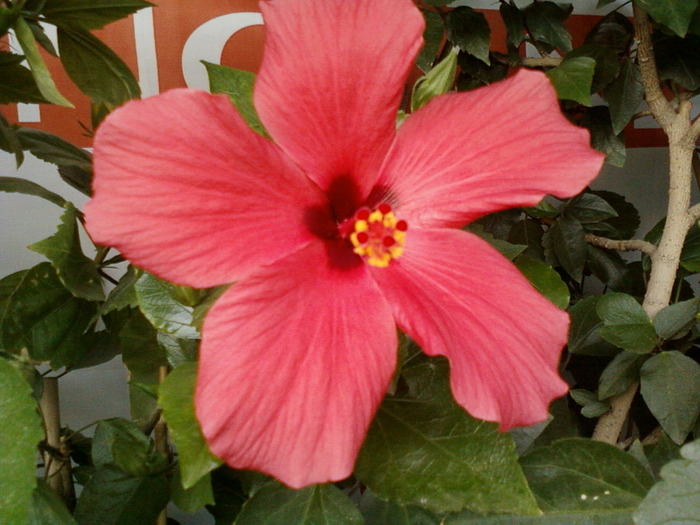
(540, 61)
(160, 437)
(621, 246)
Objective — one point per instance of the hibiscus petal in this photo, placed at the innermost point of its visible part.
(184, 189)
(456, 296)
(464, 155)
(331, 81)
(294, 362)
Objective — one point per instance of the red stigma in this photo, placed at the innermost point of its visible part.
(362, 214)
(402, 226)
(384, 208)
(388, 241)
(362, 237)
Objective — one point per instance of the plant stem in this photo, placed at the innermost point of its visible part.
(57, 457)
(160, 436)
(682, 134)
(622, 246)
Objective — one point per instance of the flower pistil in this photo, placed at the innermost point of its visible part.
(378, 236)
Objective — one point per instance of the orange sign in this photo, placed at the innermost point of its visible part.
(164, 46)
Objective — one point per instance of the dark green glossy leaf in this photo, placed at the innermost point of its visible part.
(77, 178)
(670, 386)
(603, 138)
(47, 508)
(112, 497)
(528, 232)
(178, 351)
(52, 148)
(158, 302)
(514, 22)
(230, 493)
(474, 73)
(676, 499)
(566, 239)
(119, 443)
(433, 34)
(176, 398)
(508, 250)
(572, 79)
(545, 23)
(437, 3)
(39, 314)
(238, 85)
(18, 84)
(607, 63)
(584, 337)
(591, 405)
(437, 81)
(9, 141)
(626, 323)
(585, 475)
(690, 256)
(275, 504)
(469, 30)
(608, 267)
(625, 225)
(677, 319)
(543, 210)
(40, 72)
(660, 453)
(592, 517)
(545, 279)
(95, 68)
(123, 295)
(27, 187)
(77, 272)
(674, 14)
(90, 14)
(424, 449)
(624, 96)
(42, 38)
(678, 59)
(613, 31)
(379, 512)
(620, 373)
(192, 499)
(589, 207)
(21, 432)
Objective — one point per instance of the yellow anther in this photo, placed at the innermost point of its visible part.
(377, 236)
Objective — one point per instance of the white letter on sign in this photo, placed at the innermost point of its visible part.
(207, 43)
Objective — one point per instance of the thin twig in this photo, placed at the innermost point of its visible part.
(540, 61)
(622, 246)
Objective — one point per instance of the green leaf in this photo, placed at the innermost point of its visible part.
(608, 267)
(625, 225)
(607, 63)
(434, 31)
(21, 432)
(158, 302)
(528, 232)
(119, 443)
(603, 138)
(38, 314)
(176, 398)
(238, 85)
(588, 517)
(674, 14)
(469, 30)
(230, 493)
(545, 23)
(27, 187)
(676, 320)
(514, 22)
(275, 504)
(591, 405)
(77, 272)
(90, 14)
(670, 386)
(95, 68)
(52, 148)
(194, 498)
(379, 512)
(112, 497)
(690, 256)
(572, 79)
(508, 250)
(48, 508)
(178, 351)
(437, 81)
(589, 208)
(624, 96)
(626, 323)
(613, 31)
(41, 74)
(545, 279)
(566, 239)
(584, 336)
(619, 374)
(676, 499)
(123, 295)
(18, 84)
(584, 475)
(424, 449)
(660, 453)
(9, 141)
(678, 59)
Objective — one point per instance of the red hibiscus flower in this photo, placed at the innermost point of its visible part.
(338, 230)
